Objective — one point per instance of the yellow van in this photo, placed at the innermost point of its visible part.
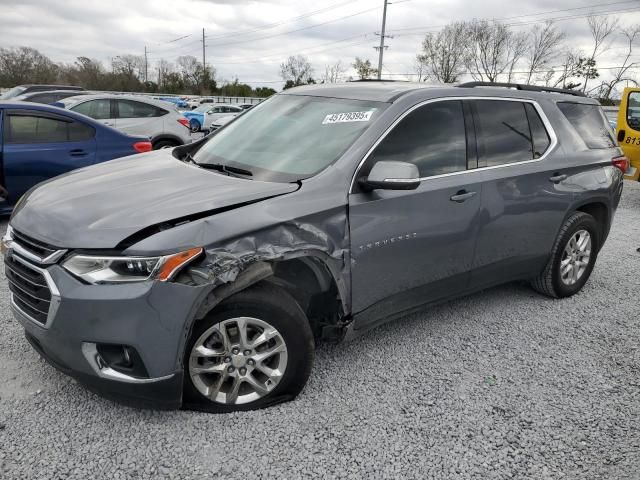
(628, 130)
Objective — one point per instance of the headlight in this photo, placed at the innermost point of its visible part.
(98, 269)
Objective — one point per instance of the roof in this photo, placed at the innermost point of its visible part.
(389, 91)
(376, 91)
(109, 96)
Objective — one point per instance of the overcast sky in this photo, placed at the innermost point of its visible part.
(249, 39)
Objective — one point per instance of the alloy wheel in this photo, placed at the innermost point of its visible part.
(576, 257)
(238, 360)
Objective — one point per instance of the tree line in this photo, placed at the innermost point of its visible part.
(127, 73)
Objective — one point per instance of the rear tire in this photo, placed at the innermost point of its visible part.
(572, 259)
(227, 371)
(194, 125)
(165, 144)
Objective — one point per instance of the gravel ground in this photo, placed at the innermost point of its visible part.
(502, 384)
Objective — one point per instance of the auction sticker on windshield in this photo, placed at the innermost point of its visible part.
(347, 117)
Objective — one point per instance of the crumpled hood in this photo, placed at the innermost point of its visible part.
(100, 206)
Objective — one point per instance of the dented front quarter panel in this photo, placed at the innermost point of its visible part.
(309, 222)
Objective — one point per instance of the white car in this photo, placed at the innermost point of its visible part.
(219, 110)
(193, 103)
(221, 122)
(136, 115)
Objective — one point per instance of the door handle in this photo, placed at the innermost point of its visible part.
(557, 178)
(621, 134)
(78, 153)
(462, 196)
(108, 124)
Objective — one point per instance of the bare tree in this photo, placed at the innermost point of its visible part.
(568, 70)
(443, 54)
(364, 69)
(296, 70)
(601, 28)
(492, 50)
(420, 67)
(621, 74)
(516, 49)
(543, 45)
(333, 72)
(164, 68)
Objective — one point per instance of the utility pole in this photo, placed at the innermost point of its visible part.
(204, 58)
(146, 64)
(382, 37)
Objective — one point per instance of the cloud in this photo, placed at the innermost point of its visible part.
(249, 38)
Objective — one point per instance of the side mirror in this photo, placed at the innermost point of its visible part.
(391, 175)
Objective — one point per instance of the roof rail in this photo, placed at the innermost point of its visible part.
(520, 86)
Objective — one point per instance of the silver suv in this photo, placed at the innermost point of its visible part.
(135, 115)
(202, 276)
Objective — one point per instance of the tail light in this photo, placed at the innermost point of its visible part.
(142, 147)
(621, 162)
(184, 122)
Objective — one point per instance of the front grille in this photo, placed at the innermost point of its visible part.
(29, 289)
(33, 246)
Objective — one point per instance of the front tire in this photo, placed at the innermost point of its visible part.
(573, 257)
(254, 350)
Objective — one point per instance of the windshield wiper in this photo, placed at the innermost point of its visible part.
(225, 168)
(218, 166)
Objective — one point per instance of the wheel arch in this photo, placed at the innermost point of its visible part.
(600, 210)
(307, 276)
(166, 137)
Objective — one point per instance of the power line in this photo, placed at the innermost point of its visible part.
(266, 27)
(296, 30)
(595, 5)
(283, 22)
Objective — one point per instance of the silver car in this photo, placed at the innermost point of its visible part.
(135, 115)
(217, 111)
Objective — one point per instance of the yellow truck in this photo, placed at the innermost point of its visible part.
(628, 130)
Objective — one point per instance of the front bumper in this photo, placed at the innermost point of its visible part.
(151, 317)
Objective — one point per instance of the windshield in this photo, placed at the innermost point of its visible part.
(14, 92)
(290, 137)
(203, 108)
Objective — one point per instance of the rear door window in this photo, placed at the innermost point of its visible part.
(431, 137)
(98, 109)
(133, 109)
(25, 129)
(502, 131)
(590, 122)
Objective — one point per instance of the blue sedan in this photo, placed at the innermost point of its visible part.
(38, 142)
(178, 102)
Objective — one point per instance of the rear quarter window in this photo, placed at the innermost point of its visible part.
(590, 123)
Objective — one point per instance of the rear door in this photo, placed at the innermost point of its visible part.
(40, 145)
(524, 199)
(410, 247)
(138, 118)
(628, 127)
(102, 110)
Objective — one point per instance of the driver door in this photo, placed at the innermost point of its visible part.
(411, 247)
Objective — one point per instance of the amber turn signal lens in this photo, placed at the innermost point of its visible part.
(174, 263)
